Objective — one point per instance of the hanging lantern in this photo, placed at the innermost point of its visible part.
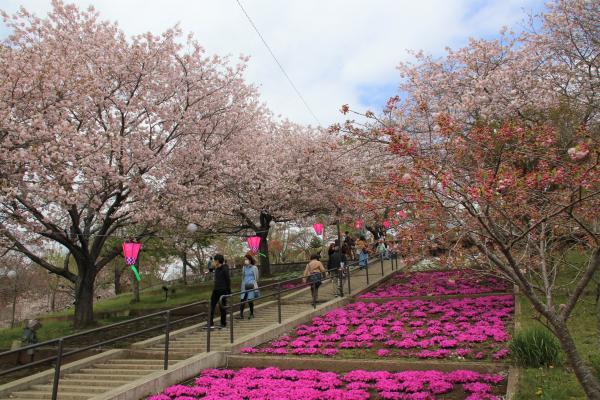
(254, 243)
(386, 224)
(318, 229)
(131, 251)
(358, 224)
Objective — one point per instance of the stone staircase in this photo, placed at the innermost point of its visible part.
(145, 358)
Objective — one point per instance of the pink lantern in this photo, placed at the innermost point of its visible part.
(402, 214)
(386, 224)
(318, 229)
(358, 224)
(131, 251)
(254, 243)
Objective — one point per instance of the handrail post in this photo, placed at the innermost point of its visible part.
(381, 259)
(59, 352)
(340, 280)
(231, 324)
(348, 273)
(167, 332)
(208, 328)
(279, 302)
(367, 271)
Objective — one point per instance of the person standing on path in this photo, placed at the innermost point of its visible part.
(249, 286)
(221, 287)
(334, 265)
(349, 246)
(313, 273)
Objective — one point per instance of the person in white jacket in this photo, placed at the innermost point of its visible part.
(249, 287)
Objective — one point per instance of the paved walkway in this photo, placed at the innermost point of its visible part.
(145, 358)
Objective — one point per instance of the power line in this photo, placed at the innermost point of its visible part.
(279, 64)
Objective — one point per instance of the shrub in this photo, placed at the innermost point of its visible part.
(535, 347)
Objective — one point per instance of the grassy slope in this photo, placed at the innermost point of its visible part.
(559, 382)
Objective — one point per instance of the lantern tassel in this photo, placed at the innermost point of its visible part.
(135, 271)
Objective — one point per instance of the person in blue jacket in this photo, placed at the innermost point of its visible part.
(249, 286)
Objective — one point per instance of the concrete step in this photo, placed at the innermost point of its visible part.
(132, 366)
(64, 387)
(103, 377)
(93, 382)
(174, 356)
(147, 361)
(113, 371)
(33, 395)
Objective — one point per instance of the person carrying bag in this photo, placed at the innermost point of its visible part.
(249, 287)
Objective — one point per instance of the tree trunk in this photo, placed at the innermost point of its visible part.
(584, 374)
(84, 297)
(598, 314)
(118, 287)
(265, 264)
(53, 300)
(184, 272)
(265, 224)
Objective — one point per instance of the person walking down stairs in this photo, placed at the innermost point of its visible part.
(249, 288)
(313, 273)
(222, 286)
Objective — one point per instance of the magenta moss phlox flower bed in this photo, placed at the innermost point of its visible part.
(275, 384)
(452, 282)
(474, 328)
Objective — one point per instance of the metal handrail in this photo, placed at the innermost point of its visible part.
(60, 341)
(95, 330)
(230, 307)
(302, 285)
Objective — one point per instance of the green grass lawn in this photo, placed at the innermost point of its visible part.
(151, 299)
(559, 382)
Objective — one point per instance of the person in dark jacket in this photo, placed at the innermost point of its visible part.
(335, 262)
(221, 287)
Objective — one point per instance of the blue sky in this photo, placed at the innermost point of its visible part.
(336, 51)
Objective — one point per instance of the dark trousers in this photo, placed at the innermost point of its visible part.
(214, 300)
(250, 304)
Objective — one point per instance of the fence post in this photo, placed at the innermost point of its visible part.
(279, 302)
(167, 331)
(367, 271)
(208, 328)
(349, 288)
(339, 282)
(231, 323)
(381, 260)
(59, 352)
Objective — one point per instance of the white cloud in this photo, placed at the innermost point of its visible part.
(330, 48)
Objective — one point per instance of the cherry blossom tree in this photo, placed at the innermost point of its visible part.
(267, 178)
(99, 132)
(498, 159)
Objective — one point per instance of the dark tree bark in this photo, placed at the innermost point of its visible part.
(584, 373)
(84, 297)
(118, 287)
(265, 265)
